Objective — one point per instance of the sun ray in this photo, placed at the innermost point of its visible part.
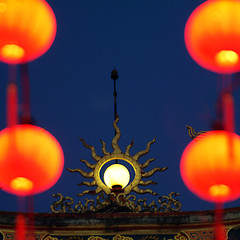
(146, 164)
(94, 155)
(150, 173)
(143, 152)
(92, 166)
(83, 173)
(142, 191)
(115, 146)
(90, 192)
(146, 183)
(93, 183)
(105, 152)
(128, 148)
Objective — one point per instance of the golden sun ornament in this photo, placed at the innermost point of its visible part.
(117, 154)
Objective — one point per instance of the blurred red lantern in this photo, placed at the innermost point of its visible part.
(212, 35)
(27, 30)
(31, 160)
(210, 166)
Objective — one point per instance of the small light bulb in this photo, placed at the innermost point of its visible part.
(116, 174)
(21, 184)
(227, 58)
(12, 51)
(219, 190)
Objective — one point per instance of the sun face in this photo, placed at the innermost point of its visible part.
(117, 154)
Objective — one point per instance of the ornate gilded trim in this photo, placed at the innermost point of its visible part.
(117, 154)
(163, 204)
(192, 134)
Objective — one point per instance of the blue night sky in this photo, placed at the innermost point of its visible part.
(160, 89)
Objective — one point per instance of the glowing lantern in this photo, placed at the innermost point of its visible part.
(116, 175)
(212, 35)
(210, 166)
(31, 159)
(27, 30)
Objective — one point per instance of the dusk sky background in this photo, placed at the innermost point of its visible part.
(160, 90)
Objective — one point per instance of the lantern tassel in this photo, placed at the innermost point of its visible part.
(31, 226)
(20, 227)
(219, 227)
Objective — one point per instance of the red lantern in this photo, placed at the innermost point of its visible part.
(210, 166)
(27, 30)
(212, 35)
(31, 159)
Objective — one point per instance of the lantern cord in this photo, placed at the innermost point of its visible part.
(114, 77)
(20, 219)
(219, 227)
(228, 104)
(26, 109)
(228, 112)
(12, 97)
(225, 113)
(20, 226)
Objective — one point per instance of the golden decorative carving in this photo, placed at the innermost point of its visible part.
(180, 236)
(119, 237)
(116, 199)
(48, 237)
(164, 204)
(117, 154)
(192, 134)
(96, 238)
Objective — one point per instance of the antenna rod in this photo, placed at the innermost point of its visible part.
(114, 77)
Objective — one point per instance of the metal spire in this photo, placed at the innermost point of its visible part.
(114, 77)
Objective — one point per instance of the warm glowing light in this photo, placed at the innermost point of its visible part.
(12, 51)
(27, 30)
(21, 184)
(3, 7)
(210, 166)
(227, 57)
(212, 35)
(31, 159)
(116, 174)
(219, 190)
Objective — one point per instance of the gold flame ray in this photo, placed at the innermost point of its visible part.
(143, 183)
(144, 152)
(93, 183)
(105, 152)
(92, 166)
(94, 155)
(150, 173)
(115, 146)
(83, 173)
(146, 164)
(128, 148)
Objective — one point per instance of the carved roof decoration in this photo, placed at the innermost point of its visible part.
(120, 201)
